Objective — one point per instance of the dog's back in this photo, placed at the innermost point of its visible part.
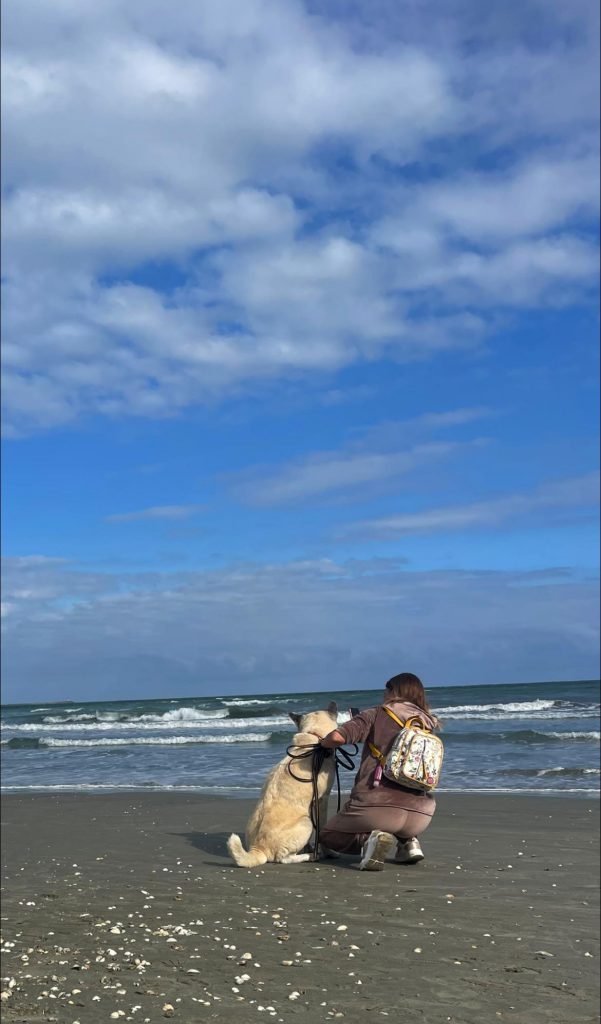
(280, 824)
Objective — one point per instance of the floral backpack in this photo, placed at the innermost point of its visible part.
(414, 759)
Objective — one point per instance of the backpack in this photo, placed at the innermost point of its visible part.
(414, 759)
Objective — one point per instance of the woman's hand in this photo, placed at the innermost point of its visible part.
(332, 740)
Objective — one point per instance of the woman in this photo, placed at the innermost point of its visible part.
(375, 816)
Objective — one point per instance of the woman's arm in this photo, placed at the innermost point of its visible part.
(354, 731)
(332, 740)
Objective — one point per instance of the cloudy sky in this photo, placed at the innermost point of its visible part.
(299, 344)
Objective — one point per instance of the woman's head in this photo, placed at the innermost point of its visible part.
(409, 688)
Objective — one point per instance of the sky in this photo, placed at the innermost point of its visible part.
(300, 345)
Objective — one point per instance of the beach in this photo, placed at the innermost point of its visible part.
(125, 907)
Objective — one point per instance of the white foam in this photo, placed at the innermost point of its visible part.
(240, 702)
(154, 724)
(159, 740)
(177, 716)
(554, 714)
(573, 735)
(526, 791)
(100, 716)
(183, 715)
(153, 787)
(520, 705)
(541, 709)
(254, 789)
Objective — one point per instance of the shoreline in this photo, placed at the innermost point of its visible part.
(108, 789)
(127, 904)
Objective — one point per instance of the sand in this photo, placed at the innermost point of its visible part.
(125, 907)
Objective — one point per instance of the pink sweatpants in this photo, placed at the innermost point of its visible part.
(346, 832)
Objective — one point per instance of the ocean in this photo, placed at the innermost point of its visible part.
(541, 738)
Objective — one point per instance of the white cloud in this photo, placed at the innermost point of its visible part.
(492, 209)
(285, 162)
(331, 472)
(293, 626)
(524, 274)
(383, 455)
(450, 418)
(536, 197)
(156, 512)
(138, 225)
(579, 492)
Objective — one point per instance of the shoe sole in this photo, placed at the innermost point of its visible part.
(375, 861)
(410, 860)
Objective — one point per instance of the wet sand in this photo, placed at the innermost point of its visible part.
(125, 907)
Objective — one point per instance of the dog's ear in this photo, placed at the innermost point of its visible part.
(332, 709)
(295, 718)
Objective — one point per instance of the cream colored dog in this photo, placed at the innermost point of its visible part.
(280, 824)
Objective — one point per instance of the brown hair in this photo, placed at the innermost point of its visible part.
(409, 688)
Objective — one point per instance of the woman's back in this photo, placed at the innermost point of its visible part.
(374, 726)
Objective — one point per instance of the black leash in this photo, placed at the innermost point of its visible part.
(318, 754)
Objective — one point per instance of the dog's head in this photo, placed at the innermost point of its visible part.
(317, 723)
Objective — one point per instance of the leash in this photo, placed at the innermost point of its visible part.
(318, 754)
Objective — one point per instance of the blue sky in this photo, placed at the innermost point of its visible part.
(300, 344)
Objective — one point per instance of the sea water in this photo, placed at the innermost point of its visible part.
(541, 737)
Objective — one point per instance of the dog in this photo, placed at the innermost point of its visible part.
(280, 825)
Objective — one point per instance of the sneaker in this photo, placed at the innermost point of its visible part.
(408, 852)
(375, 850)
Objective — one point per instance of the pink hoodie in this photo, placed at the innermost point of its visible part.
(375, 725)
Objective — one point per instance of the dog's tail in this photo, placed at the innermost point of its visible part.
(243, 858)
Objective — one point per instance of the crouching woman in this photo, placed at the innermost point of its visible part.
(380, 812)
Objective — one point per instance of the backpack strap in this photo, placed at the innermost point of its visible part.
(379, 756)
(410, 721)
(394, 717)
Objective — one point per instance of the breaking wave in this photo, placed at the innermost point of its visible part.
(572, 773)
(243, 702)
(154, 723)
(524, 736)
(177, 716)
(36, 743)
(520, 709)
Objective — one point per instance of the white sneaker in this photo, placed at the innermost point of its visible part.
(376, 848)
(409, 852)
